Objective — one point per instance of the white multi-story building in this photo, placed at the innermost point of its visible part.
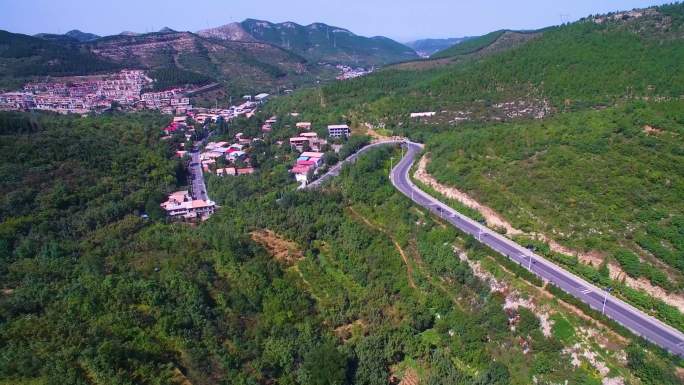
(338, 130)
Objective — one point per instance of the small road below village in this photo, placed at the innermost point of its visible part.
(630, 317)
(197, 188)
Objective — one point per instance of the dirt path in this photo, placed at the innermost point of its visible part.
(496, 220)
(409, 268)
(437, 283)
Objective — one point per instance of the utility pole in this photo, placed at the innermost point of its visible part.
(529, 266)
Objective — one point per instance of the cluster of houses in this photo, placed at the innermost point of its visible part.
(310, 146)
(78, 94)
(347, 72)
(235, 156)
(232, 158)
(84, 94)
(221, 158)
(170, 102)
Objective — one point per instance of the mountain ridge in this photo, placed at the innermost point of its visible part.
(318, 42)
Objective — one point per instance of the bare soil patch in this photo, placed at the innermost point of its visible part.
(281, 249)
(344, 332)
(650, 130)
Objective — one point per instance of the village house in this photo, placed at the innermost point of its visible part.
(261, 98)
(232, 171)
(307, 140)
(298, 143)
(307, 163)
(304, 126)
(245, 171)
(422, 114)
(338, 130)
(180, 205)
(228, 171)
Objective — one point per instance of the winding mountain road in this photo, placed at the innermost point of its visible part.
(335, 170)
(630, 317)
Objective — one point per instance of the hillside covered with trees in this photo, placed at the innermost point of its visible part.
(347, 286)
(571, 67)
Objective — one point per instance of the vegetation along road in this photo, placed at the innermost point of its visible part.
(597, 298)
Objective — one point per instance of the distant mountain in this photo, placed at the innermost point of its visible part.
(166, 30)
(241, 64)
(232, 31)
(81, 36)
(427, 47)
(317, 42)
(24, 56)
(71, 36)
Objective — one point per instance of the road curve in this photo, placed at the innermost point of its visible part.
(627, 315)
(335, 170)
(630, 317)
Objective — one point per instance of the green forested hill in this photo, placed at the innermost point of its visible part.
(371, 288)
(572, 66)
(22, 56)
(600, 173)
(321, 42)
(599, 180)
(177, 56)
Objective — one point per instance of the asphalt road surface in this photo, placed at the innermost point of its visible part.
(197, 188)
(630, 317)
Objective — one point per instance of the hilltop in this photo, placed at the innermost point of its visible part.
(317, 42)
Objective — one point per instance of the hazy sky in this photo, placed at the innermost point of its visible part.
(399, 19)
